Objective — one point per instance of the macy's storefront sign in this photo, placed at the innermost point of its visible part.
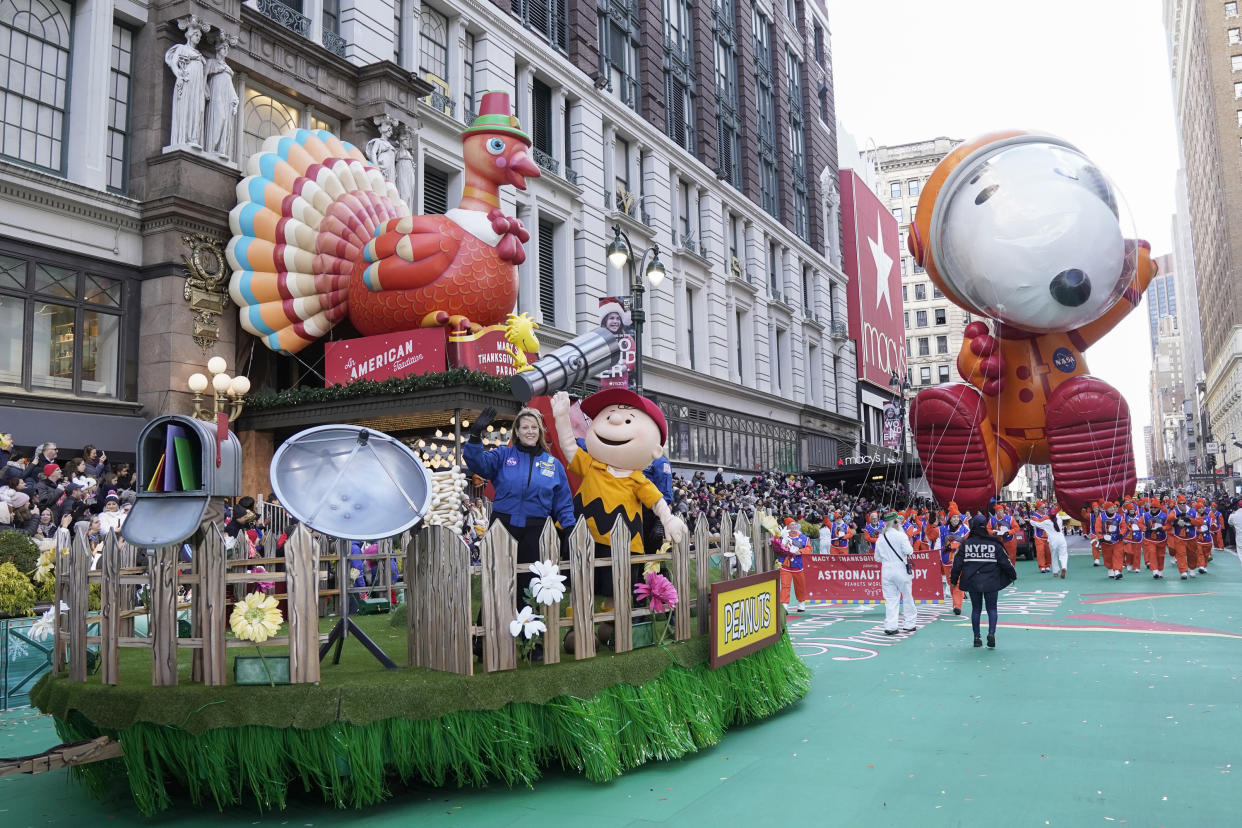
(866, 459)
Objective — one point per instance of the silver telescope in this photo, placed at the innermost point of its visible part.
(583, 356)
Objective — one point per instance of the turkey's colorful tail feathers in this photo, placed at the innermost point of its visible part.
(307, 208)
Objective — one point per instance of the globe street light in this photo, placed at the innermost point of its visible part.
(228, 392)
(619, 256)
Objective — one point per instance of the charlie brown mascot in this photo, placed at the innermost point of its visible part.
(626, 434)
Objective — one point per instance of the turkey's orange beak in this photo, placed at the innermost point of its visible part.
(521, 167)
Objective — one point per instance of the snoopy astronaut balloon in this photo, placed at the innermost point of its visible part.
(1023, 229)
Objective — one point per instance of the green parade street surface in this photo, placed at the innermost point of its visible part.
(1105, 702)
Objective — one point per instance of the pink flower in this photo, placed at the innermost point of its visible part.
(659, 589)
(266, 586)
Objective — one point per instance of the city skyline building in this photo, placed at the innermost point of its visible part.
(1161, 296)
(1169, 421)
(1205, 50)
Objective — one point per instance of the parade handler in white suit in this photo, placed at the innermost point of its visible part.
(893, 551)
(1235, 520)
(1056, 541)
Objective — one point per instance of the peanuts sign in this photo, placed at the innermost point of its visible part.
(745, 616)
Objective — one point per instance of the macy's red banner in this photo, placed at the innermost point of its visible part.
(857, 577)
(872, 261)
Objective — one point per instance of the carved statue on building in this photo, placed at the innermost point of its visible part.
(405, 166)
(382, 149)
(832, 203)
(189, 98)
(221, 100)
(392, 153)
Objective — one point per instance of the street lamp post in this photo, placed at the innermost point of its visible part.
(229, 392)
(901, 386)
(620, 255)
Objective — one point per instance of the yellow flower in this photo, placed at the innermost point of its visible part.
(654, 567)
(46, 565)
(256, 617)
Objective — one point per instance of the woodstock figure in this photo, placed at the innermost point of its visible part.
(520, 333)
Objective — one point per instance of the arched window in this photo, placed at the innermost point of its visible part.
(35, 88)
(264, 116)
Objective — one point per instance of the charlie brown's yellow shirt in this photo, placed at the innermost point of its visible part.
(602, 497)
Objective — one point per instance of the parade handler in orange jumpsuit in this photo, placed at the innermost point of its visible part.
(1132, 531)
(1043, 553)
(1155, 537)
(1203, 541)
(949, 539)
(1183, 525)
(1002, 526)
(1023, 229)
(788, 547)
(1109, 526)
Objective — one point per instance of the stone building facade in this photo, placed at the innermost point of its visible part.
(706, 129)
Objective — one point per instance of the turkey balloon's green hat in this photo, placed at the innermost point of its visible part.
(494, 116)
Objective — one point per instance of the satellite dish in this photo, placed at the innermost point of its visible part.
(351, 482)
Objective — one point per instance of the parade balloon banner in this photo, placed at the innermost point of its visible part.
(614, 316)
(892, 426)
(381, 357)
(745, 616)
(855, 579)
(873, 264)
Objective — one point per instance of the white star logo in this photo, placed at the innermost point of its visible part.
(883, 266)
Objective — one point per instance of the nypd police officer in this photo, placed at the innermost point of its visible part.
(982, 568)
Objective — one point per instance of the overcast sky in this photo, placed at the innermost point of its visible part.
(1094, 72)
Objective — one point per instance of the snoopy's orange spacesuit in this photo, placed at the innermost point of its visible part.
(1023, 229)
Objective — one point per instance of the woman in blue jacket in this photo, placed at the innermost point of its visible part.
(530, 484)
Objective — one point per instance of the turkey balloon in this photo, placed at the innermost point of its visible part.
(1023, 230)
(319, 237)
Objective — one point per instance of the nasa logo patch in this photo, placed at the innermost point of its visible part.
(512, 461)
(1065, 360)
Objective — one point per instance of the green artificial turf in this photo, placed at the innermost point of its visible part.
(365, 728)
(358, 690)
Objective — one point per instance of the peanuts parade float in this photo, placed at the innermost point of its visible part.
(431, 680)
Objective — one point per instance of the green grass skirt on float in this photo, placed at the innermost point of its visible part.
(365, 730)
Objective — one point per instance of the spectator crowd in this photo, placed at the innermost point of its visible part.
(784, 495)
(41, 492)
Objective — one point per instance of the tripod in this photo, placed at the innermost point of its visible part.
(346, 626)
